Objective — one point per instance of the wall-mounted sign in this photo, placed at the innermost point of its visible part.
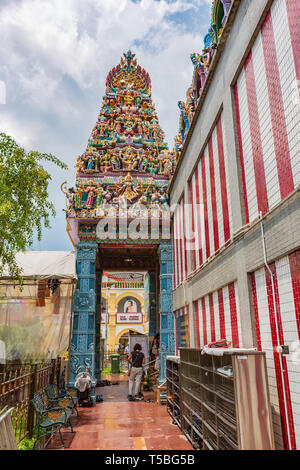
(129, 318)
(103, 315)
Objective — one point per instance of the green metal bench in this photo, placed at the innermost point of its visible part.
(54, 398)
(51, 418)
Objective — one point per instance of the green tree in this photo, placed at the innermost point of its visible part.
(24, 203)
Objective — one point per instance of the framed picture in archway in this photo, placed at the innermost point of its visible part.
(130, 306)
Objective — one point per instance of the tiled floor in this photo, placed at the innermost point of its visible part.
(116, 424)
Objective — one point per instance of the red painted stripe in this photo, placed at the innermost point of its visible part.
(204, 321)
(213, 195)
(295, 275)
(293, 12)
(284, 363)
(188, 315)
(233, 316)
(256, 316)
(259, 170)
(276, 360)
(240, 143)
(206, 225)
(223, 181)
(177, 246)
(196, 310)
(193, 224)
(212, 318)
(281, 144)
(199, 228)
(180, 244)
(184, 237)
(221, 314)
(176, 338)
(182, 240)
(174, 257)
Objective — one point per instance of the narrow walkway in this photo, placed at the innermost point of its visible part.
(116, 424)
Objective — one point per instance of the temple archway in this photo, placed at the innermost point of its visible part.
(118, 216)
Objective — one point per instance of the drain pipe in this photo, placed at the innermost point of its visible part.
(277, 328)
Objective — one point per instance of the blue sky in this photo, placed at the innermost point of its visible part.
(55, 56)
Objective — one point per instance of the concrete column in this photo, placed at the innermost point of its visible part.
(82, 348)
(167, 343)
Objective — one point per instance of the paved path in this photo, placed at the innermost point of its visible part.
(117, 424)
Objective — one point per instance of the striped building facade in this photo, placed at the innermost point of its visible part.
(236, 225)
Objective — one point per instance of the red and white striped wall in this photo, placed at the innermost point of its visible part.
(284, 388)
(182, 314)
(217, 316)
(209, 196)
(266, 95)
(180, 253)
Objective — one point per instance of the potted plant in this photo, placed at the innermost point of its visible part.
(148, 392)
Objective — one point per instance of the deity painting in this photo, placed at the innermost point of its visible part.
(130, 306)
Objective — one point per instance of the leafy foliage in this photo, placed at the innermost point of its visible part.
(24, 203)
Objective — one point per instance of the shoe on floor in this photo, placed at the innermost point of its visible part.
(130, 398)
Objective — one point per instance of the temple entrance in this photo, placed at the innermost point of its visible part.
(125, 312)
(118, 218)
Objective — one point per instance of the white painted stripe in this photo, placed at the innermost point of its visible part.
(196, 221)
(247, 148)
(267, 346)
(288, 82)
(176, 247)
(237, 302)
(175, 280)
(290, 333)
(227, 176)
(209, 206)
(218, 188)
(182, 241)
(202, 225)
(216, 315)
(178, 244)
(208, 327)
(200, 322)
(267, 141)
(227, 313)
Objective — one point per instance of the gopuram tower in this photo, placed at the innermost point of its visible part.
(118, 213)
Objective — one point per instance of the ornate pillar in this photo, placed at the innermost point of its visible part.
(152, 305)
(98, 327)
(167, 344)
(82, 348)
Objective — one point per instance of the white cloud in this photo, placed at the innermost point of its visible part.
(55, 57)
(25, 136)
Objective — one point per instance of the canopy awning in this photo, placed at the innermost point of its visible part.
(46, 265)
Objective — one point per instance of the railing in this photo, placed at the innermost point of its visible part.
(18, 383)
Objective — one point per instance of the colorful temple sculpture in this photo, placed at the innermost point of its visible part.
(120, 193)
(126, 156)
(201, 63)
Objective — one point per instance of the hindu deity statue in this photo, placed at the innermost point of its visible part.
(129, 188)
(184, 121)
